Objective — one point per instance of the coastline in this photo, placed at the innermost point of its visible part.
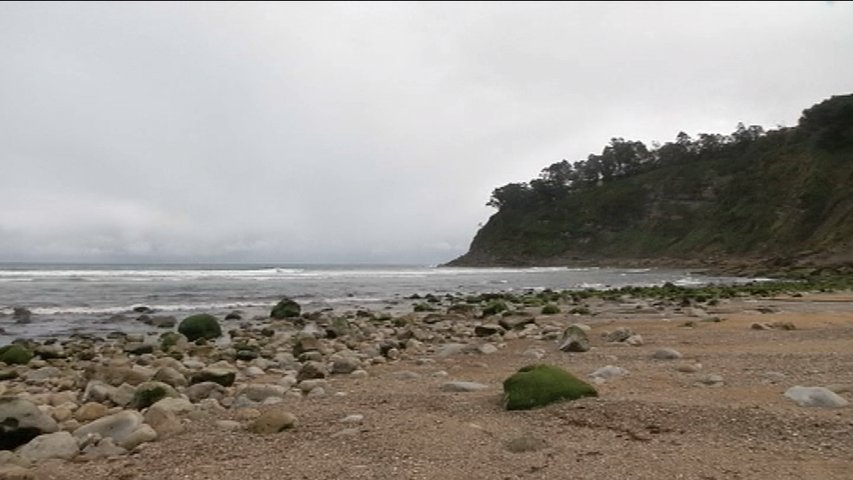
(738, 355)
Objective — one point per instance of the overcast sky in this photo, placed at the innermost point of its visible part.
(347, 133)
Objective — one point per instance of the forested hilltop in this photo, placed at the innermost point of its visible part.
(782, 197)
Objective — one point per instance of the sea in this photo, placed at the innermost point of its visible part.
(96, 299)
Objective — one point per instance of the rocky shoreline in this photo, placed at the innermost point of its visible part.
(90, 400)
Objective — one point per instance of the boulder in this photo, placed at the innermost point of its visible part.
(221, 376)
(258, 392)
(118, 426)
(815, 397)
(170, 376)
(204, 390)
(574, 340)
(198, 326)
(163, 421)
(305, 342)
(21, 421)
(312, 370)
(488, 329)
(538, 385)
(515, 322)
(286, 308)
(619, 335)
(22, 315)
(149, 393)
(90, 411)
(273, 420)
(15, 355)
(52, 445)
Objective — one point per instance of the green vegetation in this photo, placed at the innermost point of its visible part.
(200, 326)
(15, 355)
(423, 307)
(783, 194)
(538, 385)
(550, 309)
(286, 308)
(494, 307)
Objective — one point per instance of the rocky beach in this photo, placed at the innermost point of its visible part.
(748, 385)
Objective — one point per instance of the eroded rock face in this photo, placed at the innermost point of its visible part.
(22, 421)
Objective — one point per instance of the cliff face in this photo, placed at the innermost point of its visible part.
(785, 195)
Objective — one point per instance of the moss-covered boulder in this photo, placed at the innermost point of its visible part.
(495, 307)
(15, 355)
(538, 385)
(550, 309)
(149, 393)
(198, 326)
(286, 308)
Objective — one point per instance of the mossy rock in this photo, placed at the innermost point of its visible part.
(15, 355)
(286, 308)
(199, 326)
(423, 307)
(149, 393)
(169, 339)
(550, 309)
(495, 307)
(539, 385)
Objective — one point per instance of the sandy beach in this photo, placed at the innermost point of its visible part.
(718, 412)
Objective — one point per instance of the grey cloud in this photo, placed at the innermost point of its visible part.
(357, 132)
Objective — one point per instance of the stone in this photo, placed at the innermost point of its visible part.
(286, 308)
(90, 411)
(21, 421)
(138, 348)
(97, 391)
(463, 387)
(635, 340)
(178, 406)
(200, 326)
(305, 342)
(149, 393)
(123, 395)
(204, 391)
(308, 385)
(163, 421)
(619, 335)
(118, 426)
(710, 380)
(143, 434)
(666, 354)
(170, 376)
(273, 420)
(60, 445)
(360, 374)
(815, 397)
(311, 370)
(608, 372)
(344, 363)
(42, 374)
(259, 392)
(487, 349)
(539, 385)
(228, 424)
(449, 349)
(104, 448)
(224, 377)
(163, 322)
(14, 472)
(516, 322)
(574, 340)
(115, 375)
(689, 367)
(488, 329)
(22, 315)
